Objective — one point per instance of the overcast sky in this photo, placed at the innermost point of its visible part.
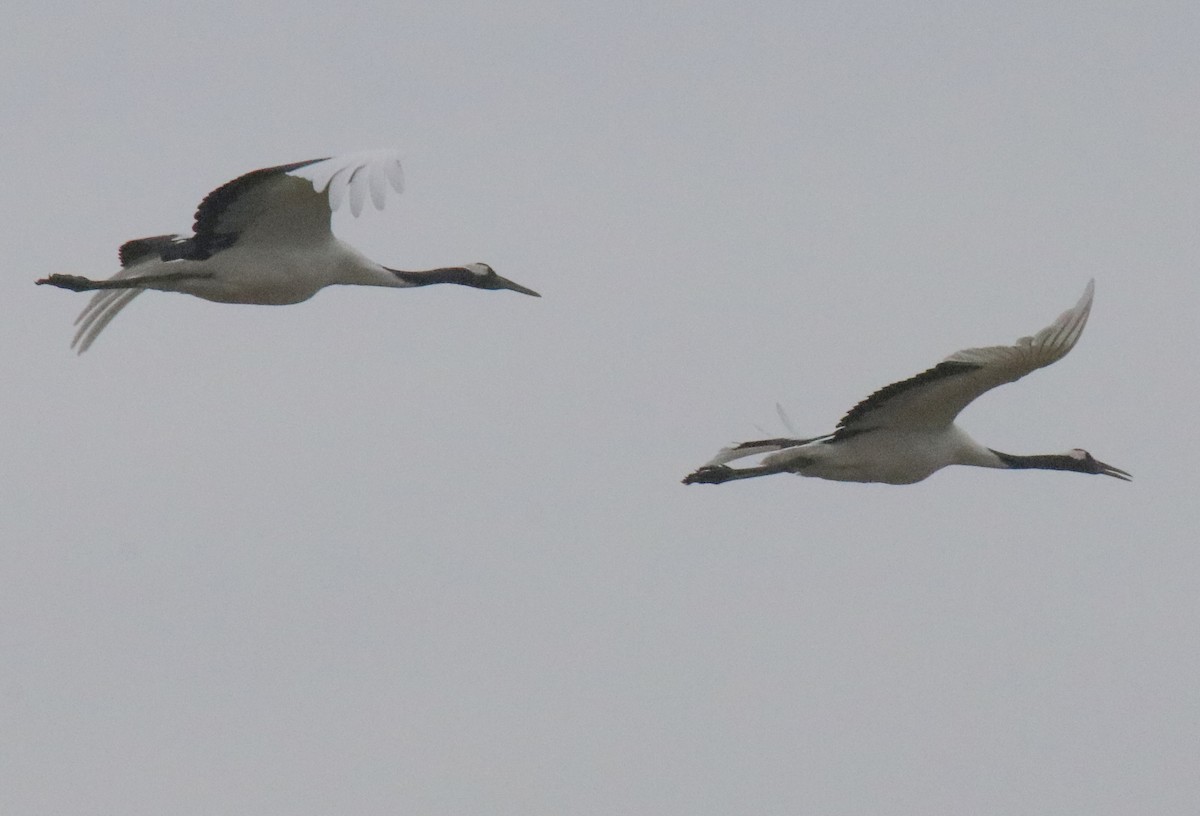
(426, 552)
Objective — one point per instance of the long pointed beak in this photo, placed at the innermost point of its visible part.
(505, 283)
(1109, 470)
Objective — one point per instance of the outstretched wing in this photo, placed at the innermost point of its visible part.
(933, 398)
(292, 203)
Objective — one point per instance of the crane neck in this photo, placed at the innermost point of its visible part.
(425, 277)
(1048, 461)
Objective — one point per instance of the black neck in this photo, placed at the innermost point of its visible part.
(1049, 461)
(446, 274)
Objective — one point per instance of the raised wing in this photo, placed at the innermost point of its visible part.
(292, 203)
(933, 398)
(356, 175)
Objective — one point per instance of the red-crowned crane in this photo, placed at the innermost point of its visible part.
(265, 238)
(905, 431)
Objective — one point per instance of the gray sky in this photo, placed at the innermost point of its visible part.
(427, 552)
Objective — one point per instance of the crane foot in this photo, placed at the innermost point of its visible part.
(710, 474)
(76, 283)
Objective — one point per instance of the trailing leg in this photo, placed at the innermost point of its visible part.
(78, 283)
(716, 474)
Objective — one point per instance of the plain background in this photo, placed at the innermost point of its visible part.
(427, 552)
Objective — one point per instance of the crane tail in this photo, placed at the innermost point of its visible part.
(745, 449)
(98, 314)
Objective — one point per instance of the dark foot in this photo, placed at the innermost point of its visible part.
(710, 474)
(76, 283)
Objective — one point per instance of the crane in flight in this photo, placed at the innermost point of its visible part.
(905, 431)
(265, 238)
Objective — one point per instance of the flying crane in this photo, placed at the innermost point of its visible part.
(905, 431)
(265, 238)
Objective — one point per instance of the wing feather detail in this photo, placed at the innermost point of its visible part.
(292, 203)
(933, 398)
(357, 175)
(157, 247)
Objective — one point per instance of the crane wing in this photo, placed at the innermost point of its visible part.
(355, 175)
(292, 203)
(933, 398)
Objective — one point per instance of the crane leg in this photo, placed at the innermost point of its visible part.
(716, 474)
(78, 283)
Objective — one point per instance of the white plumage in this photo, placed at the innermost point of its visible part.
(265, 238)
(904, 432)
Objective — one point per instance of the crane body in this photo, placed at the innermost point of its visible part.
(905, 432)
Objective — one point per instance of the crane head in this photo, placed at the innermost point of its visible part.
(477, 275)
(1086, 463)
(482, 276)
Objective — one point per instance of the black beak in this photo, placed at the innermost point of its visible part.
(1109, 470)
(505, 283)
